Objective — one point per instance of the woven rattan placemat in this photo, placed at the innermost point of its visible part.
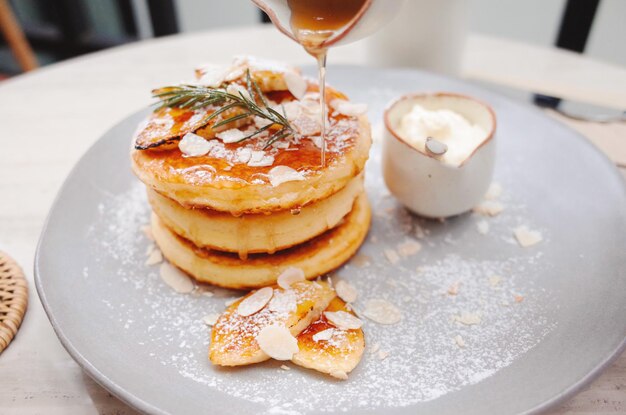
(13, 299)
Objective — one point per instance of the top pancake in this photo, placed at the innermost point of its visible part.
(240, 177)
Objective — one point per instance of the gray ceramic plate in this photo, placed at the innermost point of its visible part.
(551, 316)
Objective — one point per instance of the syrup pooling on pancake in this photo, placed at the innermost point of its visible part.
(248, 162)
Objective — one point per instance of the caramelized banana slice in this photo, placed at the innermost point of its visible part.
(164, 127)
(233, 339)
(328, 349)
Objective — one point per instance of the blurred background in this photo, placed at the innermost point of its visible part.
(60, 29)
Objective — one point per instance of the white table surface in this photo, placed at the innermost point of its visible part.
(48, 119)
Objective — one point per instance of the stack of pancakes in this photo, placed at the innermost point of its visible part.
(243, 212)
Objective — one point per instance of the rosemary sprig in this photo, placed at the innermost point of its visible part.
(195, 97)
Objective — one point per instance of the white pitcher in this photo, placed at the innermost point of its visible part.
(373, 15)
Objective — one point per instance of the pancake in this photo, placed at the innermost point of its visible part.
(258, 233)
(318, 256)
(223, 180)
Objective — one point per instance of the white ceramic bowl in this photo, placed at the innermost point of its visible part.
(424, 184)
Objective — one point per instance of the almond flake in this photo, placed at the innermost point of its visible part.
(308, 125)
(210, 319)
(454, 288)
(259, 158)
(346, 291)
(339, 374)
(175, 278)
(459, 341)
(392, 256)
(155, 257)
(343, 320)
(289, 276)
(483, 227)
(409, 248)
(243, 155)
(291, 110)
(495, 280)
(277, 342)
(382, 312)
(255, 302)
(192, 145)
(238, 90)
(281, 174)
(232, 135)
(323, 335)
(296, 84)
(374, 348)
(526, 237)
(348, 108)
(382, 355)
(489, 208)
(283, 302)
(469, 319)
(285, 367)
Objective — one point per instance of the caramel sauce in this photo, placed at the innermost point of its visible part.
(312, 23)
(221, 171)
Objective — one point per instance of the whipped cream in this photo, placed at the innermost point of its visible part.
(448, 127)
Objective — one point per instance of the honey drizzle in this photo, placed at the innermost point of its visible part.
(313, 22)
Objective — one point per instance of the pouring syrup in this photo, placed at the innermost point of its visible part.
(313, 22)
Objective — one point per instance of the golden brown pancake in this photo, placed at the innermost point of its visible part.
(318, 256)
(221, 181)
(257, 233)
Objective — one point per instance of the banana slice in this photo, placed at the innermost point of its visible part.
(328, 349)
(233, 339)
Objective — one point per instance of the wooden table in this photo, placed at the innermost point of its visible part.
(48, 119)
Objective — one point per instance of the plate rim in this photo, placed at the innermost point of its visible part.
(143, 406)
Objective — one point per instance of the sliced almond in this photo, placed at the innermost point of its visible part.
(255, 302)
(176, 279)
(454, 288)
(382, 355)
(259, 158)
(489, 208)
(348, 108)
(526, 237)
(192, 145)
(343, 320)
(409, 247)
(232, 135)
(155, 257)
(392, 256)
(210, 319)
(346, 291)
(468, 319)
(324, 335)
(296, 84)
(459, 341)
(277, 342)
(282, 174)
(290, 276)
(382, 311)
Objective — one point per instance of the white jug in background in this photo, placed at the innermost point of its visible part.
(425, 34)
